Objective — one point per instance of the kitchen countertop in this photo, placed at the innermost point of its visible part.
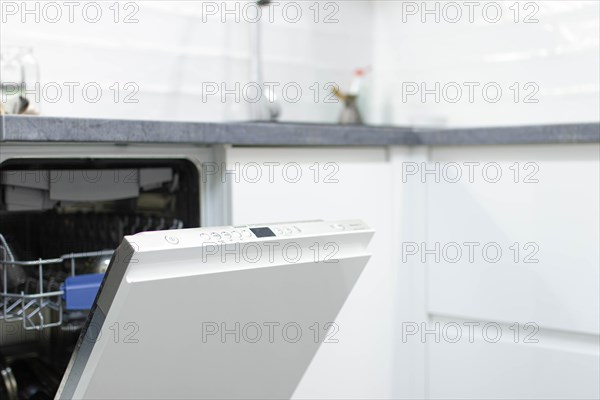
(56, 129)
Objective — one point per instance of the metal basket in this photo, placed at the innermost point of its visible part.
(42, 306)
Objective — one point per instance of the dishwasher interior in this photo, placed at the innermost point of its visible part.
(60, 221)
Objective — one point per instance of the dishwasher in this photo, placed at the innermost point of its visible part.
(111, 287)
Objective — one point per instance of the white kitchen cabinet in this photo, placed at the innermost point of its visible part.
(554, 221)
(555, 281)
(350, 182)
(560, 366)
(549, 212)
(408, 196)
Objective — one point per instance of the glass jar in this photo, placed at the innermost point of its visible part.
(20, 81)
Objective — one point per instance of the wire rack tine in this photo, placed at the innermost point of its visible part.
(31, 304)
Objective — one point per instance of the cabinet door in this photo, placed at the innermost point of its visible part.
(224, 312)
(334, 183)
(514, 249)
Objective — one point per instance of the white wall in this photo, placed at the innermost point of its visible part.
(559, 54)
(175, 47)
(171, 52)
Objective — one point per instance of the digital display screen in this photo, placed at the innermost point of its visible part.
(262, 232)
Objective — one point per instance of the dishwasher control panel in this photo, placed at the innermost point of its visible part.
(233, 234)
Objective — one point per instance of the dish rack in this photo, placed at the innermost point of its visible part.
(39, 304)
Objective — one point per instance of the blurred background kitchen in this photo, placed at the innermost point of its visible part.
(168, 59)
(389, 63)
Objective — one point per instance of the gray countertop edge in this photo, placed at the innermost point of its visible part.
(57, 129)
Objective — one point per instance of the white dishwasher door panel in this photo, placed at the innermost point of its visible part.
(236, 318)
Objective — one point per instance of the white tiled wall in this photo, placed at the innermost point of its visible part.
(175, 48)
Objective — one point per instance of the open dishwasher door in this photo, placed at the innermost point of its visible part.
(230, 312)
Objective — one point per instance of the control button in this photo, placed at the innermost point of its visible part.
(226, 236)
(338, 227)
(246, 233)
(236, 235)
(357, 227)
(215, 236)
(171, 239)
(288, 231)
(204, 236)
(278, 231)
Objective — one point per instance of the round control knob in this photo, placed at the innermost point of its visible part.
(171, 239)
(288, 231)
(246, 233)
(215, 236)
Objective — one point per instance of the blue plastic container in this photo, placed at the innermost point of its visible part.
(81, 290)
